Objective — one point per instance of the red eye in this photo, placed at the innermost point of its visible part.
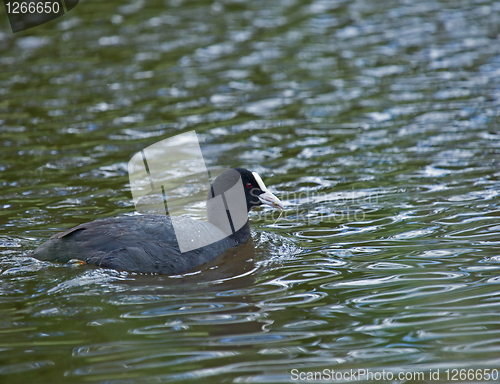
(249, 185)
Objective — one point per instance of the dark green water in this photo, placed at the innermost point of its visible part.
(374, 121)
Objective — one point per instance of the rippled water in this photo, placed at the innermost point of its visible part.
(374, 121)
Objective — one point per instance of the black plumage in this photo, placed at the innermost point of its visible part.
(147, 243)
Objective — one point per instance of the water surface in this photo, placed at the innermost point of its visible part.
(374, 121)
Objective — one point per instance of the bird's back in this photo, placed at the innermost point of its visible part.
(142, 243)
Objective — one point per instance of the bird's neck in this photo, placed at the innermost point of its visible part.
(243, 234)
(240, 235)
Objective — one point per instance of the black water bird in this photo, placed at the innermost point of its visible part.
(148, 243)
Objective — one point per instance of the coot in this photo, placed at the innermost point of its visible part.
(148, 243)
